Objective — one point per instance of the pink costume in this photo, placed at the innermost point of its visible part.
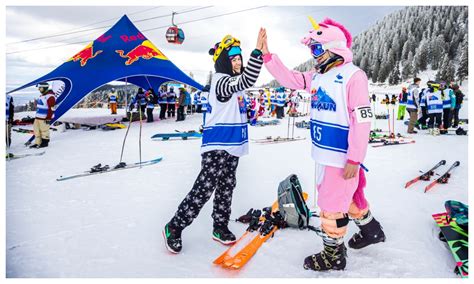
(335, 194)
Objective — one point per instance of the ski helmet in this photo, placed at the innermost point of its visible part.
(329, 35)
(223, 52)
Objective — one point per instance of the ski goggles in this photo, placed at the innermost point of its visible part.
(318, 49)
(226, 42)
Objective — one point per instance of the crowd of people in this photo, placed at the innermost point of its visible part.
(434, 107)
(178, 102)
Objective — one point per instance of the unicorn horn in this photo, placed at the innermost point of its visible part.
(313, 22)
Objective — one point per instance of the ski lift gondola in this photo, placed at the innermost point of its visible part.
(174, 34)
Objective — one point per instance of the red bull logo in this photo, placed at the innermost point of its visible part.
(85, 55)
(145, 50)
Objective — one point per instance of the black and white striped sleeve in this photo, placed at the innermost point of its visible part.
(227, 85)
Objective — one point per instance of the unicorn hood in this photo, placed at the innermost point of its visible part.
(334, 37)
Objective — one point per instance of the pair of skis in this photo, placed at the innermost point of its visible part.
(11, 156)
(393, 142)
(427, 176)
(99, 169)
(260, 229)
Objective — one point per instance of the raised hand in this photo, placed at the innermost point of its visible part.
(262, 37)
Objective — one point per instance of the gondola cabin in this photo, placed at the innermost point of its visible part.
(175, 35)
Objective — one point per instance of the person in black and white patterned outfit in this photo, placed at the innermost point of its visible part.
(225, 139)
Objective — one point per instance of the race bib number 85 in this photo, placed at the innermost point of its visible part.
(364, 114)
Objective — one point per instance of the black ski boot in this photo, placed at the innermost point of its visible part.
(172, 237)
(223, 235)
(34, 146)
(330, 258)
(44, 143)
(370, 232)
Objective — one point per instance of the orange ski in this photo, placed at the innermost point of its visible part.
(246, 247)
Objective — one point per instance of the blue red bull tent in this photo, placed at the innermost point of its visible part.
(122, 53)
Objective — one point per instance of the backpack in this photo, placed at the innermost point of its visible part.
(291, 203)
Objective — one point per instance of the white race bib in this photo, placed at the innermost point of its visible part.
(364, 114)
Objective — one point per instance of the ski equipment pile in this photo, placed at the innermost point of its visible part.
(427, 175)
(260, 229)
(444, 178)
(99, 169)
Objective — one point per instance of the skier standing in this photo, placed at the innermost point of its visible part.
(162, 101)
(413, 104)
(434, 107)
(113, 97)
(224, 141)
(402, 103)
(459, 99)
(340, 125)
(10, 110)
(44, 113)
(150, 104)
(449, 103)
(171, 99)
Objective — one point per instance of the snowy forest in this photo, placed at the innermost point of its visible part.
(410, 41)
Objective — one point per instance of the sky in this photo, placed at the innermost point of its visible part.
(28, 59)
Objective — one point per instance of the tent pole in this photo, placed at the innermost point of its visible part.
(140, 136)
(129, 124)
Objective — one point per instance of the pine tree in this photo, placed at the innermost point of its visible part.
(394, 77)
(407, 67)
(463, 68)
(443, 69)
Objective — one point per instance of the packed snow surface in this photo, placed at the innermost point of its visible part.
(109, 225)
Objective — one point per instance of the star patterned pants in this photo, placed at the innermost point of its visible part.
(217, 175)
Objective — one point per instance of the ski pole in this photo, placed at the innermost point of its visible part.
(125, 138)
(293, 130)
(288, 132)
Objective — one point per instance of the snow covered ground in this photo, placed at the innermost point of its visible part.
(110, 225)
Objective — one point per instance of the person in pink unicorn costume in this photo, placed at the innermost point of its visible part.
(340, 126)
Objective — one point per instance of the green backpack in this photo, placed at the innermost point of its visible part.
(292, 204)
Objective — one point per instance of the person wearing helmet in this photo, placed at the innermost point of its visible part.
(434, 107)
(171, 100)
(224, 141)
(112, 96)
(44, 113)
(340, 124)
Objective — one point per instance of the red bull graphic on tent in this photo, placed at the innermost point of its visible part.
(122, 53)
(145, 50)
(85, 54)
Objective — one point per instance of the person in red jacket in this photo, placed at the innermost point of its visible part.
(44, 113)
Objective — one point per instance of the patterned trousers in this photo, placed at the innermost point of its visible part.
(217, 175)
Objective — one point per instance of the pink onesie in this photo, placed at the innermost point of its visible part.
(335, 194)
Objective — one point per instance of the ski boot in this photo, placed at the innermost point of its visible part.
(223, 235)
(435, 131)
(330, 258)
(44, 143)
(34, 146)
(370, 232)
(172, 238)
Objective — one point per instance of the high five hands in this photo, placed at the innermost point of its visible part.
(262, 41)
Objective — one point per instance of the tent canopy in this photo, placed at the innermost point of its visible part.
(122, 53)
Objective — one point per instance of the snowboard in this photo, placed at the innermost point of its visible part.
(266, 123)
(182, 135)
(457, 240)
(303, 124)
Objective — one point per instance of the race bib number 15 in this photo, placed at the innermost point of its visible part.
(364, 114)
